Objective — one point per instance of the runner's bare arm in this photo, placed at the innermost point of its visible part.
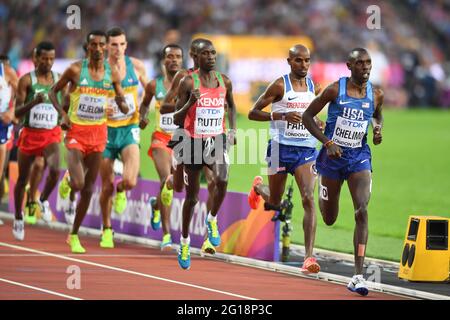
(149, 92)
(320, 123)
(186, 98)
(70, 76)
(139, 66)
(377, 118)
(328, 95)
(168, 104)
(12, 80)
(120, 95)
(273, 93)
(22, 91)
(231, 110)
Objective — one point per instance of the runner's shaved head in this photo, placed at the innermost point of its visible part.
(297, 49)
(355, 53)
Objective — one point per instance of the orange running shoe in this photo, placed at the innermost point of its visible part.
(253, 197)
(310, 265)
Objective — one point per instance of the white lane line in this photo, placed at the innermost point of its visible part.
(124, 270)
(39, 289)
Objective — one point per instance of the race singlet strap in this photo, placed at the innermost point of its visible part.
(33, 77)
(369, 92)
(310, 85)
(2, 71)
(220, 79)
(287, 83)
(342, 88)
(196, 79)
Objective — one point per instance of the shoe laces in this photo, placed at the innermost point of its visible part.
(167, 238)
(214, 229)
(184, 251)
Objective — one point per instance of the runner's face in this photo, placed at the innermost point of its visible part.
(206, 57)
(300, 63)
(117, 46)
(361, 67)
(44, 62)
(173, 59)
(96, 47)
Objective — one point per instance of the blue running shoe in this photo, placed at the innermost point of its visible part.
(184, 256)
(155, 218)
(213, 232)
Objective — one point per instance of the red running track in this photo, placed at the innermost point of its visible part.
(37, 269)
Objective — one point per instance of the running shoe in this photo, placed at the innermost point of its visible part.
(45, 211)
(31, 212)
(64, 186)
(184, 256)
(310, 265)
(155, 218)
(358, 285)
(1, 222)
(69, 212)
(253, 197)
(213, 232)
(166, 195)
(166, 243)
(207, 247)
(18, 230)
(107, 240)
(120, 202)
(74, 242)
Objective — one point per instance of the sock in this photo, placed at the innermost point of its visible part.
(185, 240)
(210, 217)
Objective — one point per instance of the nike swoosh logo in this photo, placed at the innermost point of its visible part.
(344, 102)
(291, 98)
(309, 158)
(38, 90)
(364, 160)
(203, 94)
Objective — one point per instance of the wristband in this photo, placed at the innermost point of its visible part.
(328, 143)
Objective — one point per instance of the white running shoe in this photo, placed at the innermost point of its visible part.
(69, 212)
(358, 285)
(18, 230)
(1, 222)
(45, 210)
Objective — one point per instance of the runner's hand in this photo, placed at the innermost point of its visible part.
(39, 98)
(195, 95)
(7, 117)
(377, 137)
(65, 122)
(231, 137)
(334, 151)
(122, 104)
(143, 122)
(293, 117)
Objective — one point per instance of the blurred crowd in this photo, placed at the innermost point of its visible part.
(411, 51)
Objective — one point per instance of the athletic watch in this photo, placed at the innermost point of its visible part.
(283, 116)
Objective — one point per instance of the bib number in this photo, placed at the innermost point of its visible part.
(91, 108)
(166, 122)
(209, 121)
(349, 133)
(43, 116)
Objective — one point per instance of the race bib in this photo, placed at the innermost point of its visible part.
(91, 108)
(349, 133)
(43, 116)
(117, 114)
(166, 122)
(296, 130)
(209, 121)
